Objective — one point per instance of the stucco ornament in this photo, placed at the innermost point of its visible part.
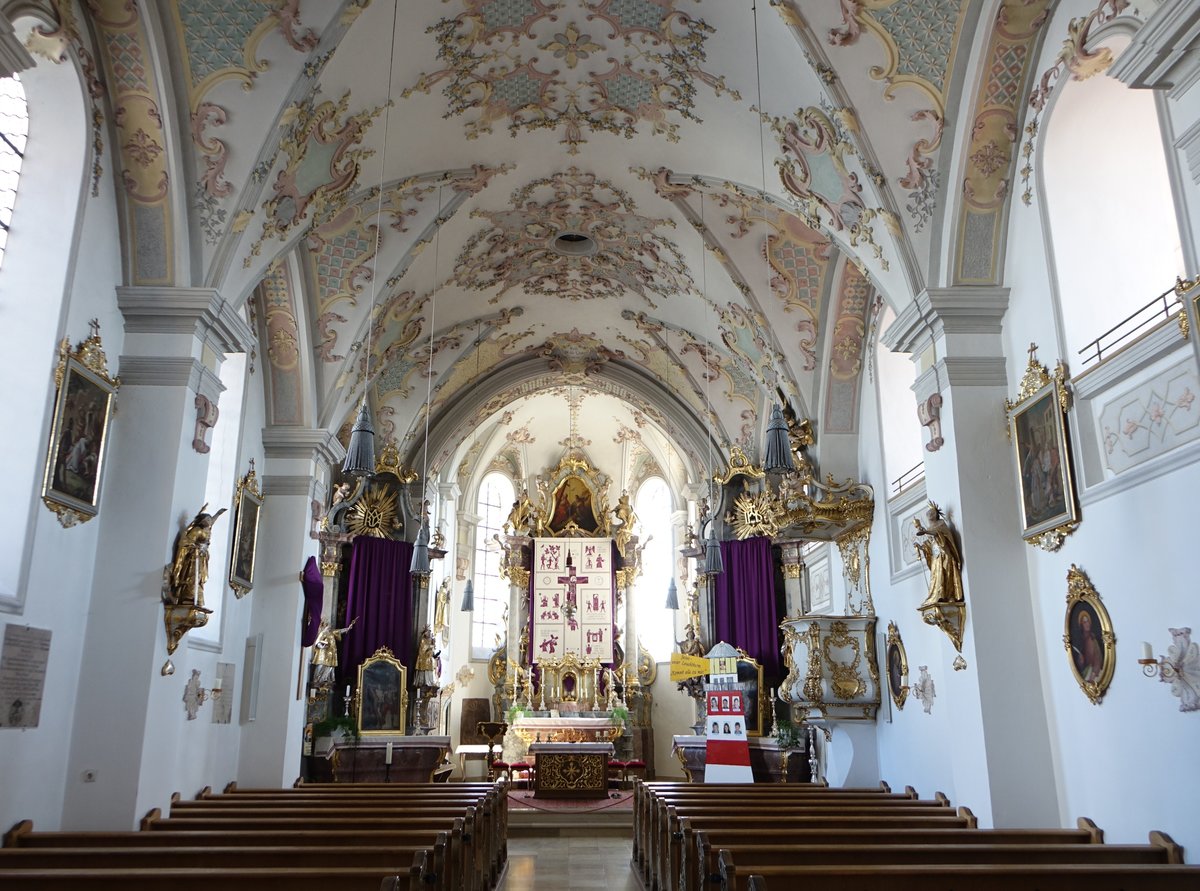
(609, 250)
(624, 63)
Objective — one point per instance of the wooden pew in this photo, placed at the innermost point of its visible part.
(753, 858)
(664, 843)
(343, 878)
(722, 836)
(956, 877)
(652, 798)
(490, 798)
(485, 833)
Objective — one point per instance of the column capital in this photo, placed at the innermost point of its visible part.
(170, 371)
(449, 491)
(315, 444)
(1163, 53)
(940, 314)
(14, 58)
(202, 312)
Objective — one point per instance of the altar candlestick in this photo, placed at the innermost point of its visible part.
(387, 757)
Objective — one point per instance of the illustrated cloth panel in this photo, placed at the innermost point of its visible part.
(572, 599)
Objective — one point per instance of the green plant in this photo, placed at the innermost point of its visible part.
(620, 714)
(346, 724)
(788, 735)
(514, 711)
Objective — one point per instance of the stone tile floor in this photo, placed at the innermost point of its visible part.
(578, 863)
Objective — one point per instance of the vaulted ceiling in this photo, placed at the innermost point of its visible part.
(633, 222)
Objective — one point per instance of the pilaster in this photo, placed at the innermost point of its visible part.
(1002, 762)
(155, 484)
(271, 744)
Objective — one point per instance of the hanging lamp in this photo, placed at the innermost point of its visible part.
(468, 601)
(360, 453)
(777, 456)
(672, 594)
(420, 557)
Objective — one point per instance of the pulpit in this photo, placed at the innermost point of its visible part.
(571, 770)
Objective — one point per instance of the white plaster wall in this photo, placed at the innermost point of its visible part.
(49, 292)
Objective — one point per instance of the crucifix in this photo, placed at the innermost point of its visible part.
(571, 580)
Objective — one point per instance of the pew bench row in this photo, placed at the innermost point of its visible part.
(392, 837)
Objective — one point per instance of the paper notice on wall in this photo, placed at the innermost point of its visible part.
(572, 599)
(23, 675)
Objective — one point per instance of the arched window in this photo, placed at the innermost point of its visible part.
(496, 495)
(1108, 204)
(655, 623)
(14, 128)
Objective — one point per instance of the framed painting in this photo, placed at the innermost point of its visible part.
(1038, 431)
(83, 408)
(247, 503)
(1088, 636)
(897, 666)
(750, 678)
(382, 695)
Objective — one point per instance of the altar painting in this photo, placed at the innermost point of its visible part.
(572, 609)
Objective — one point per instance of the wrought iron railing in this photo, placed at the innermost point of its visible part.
(910, 477)
(1162, 307)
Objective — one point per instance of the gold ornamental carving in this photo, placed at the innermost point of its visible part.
(739, 465)
(375, 514)
(793, 570)
(756, 515)
(812, 681)
(847, 682)
(518, 577)
(389, 462)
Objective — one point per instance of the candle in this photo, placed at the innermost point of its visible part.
(347, 691)
(387, 758)
(1147, 651)
(218, 682)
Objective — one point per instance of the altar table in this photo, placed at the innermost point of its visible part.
(570, 770)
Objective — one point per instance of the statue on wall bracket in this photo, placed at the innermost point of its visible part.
(937, 545)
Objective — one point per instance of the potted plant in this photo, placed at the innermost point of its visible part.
(619, 715)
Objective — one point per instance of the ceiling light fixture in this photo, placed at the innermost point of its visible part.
(713, 563)
(777, 451)
(360, 452)
(468, 601)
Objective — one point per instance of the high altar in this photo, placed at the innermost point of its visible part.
(571, 561)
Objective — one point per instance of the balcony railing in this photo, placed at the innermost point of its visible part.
(910, 477)
(1162, 307)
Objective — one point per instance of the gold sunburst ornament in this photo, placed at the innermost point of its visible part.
(756, 515)
(374, 514)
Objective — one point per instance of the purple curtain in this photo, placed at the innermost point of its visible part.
(744, 601)
(314, 597)
(380, 598)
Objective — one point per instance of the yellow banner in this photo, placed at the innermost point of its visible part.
(684, 667)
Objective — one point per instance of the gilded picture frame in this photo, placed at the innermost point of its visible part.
(1088, 636)
(247, 504)
(1041, 447)
(897, 666)
(84, 402)
(381, 702)
(750, 673)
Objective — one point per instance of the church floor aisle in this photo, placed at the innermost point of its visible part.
(556, 863)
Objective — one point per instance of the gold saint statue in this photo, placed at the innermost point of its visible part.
(938, 548)
(189, 569)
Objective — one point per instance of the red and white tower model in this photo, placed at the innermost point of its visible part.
(727, 753)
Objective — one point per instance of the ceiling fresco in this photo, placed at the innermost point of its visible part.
(670, 213)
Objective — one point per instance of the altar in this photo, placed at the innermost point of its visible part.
(570, 770)
(567, 729)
